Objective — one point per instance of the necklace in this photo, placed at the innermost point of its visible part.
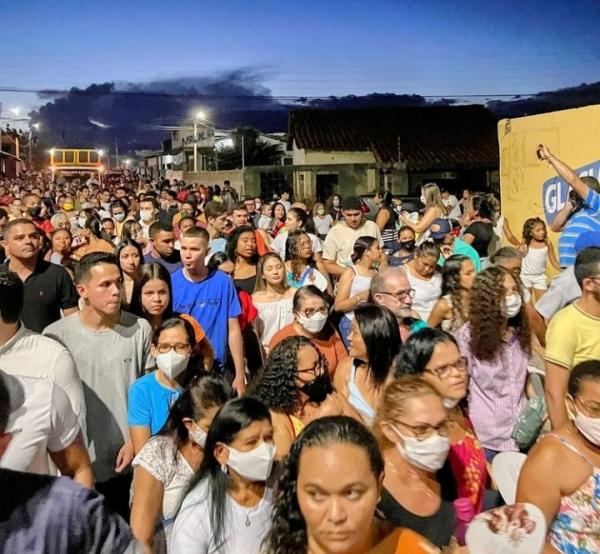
(421, 485)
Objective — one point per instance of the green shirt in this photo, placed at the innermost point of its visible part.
(465, 249)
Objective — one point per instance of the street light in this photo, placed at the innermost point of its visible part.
(100, 152)
(200, 116)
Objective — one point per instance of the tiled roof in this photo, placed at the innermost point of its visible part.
(423, 137)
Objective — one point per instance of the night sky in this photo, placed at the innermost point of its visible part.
(303, 48)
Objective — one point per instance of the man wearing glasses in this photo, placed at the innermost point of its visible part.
(390, 288)
(572, 335)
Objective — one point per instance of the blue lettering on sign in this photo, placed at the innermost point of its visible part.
(555, 192)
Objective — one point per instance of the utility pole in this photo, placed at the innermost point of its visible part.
(243, 151)
(195, 145)
(117, 151)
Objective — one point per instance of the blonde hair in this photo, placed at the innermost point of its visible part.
(261, 283)
(392, 404)
(316, 208)
(433, 197)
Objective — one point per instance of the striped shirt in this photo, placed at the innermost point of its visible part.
(496, 391)
(585, 220)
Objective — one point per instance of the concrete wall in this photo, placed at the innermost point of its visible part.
(302, 156)
(208, 178)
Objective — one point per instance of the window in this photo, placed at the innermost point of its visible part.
(58, 156)
(94, 158)
(69, 157)
(84, 157)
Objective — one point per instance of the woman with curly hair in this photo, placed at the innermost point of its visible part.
(496, 343)
(334, 467)
(450, 311)
(300, 264)
(295, 385)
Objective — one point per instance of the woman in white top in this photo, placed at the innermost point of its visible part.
(228, 510)
(300, 264)
(273, 298)
(165, 466)
(424, 278)
(322, 220)
(296, 219)
(434, 209)
(354, 284)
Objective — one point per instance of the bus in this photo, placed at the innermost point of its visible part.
(76, 162)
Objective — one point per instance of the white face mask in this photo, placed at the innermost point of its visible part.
(313, 324)
(81, 222)
(172, 363)
(119, 217)
(449, 403)
(589, 427)
(146, 215)
(254, 465)
(429, 454)
(423, 199)
(513, 305)
(198, 435)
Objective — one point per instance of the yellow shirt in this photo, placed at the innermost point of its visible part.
(572, 337)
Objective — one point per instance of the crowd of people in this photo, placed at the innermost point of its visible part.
(216, 374)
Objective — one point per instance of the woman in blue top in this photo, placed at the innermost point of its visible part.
(151, 397)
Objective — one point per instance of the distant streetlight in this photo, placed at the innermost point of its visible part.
(200, 116)
(100, 152)
(127, 162)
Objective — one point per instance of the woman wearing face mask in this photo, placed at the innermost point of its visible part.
(374, 343)
(132, 230)
(334, 467)
(353, 287)
(496, 343)
(434, 209)
(300, 264)
(424, 277)
(451, 310)
(322, 220)
(404, 249)
(434, 356)
(118, 212)
(165, 466)
(150, 397)
(311, 312)
(295, 385)
(412, 427)
(241, 250)
(95, 238)
(228, 510)
(130, 257)
(562, 472)
(273, 298)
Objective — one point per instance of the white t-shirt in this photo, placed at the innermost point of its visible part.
(245, 528)
(41, 421)
(28, 354)
(427, 293)
(278, 243)
(160, 458)
(323, 224)
(339, 243)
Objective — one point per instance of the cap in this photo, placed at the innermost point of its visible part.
(440, 228)
(585, 240)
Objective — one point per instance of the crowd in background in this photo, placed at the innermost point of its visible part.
(212, 372)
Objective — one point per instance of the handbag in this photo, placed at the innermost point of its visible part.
(531, 419)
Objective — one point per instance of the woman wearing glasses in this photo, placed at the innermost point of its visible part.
(311, 309)
(412, 427)
(296, 387)
(150, 397)
(433, 355)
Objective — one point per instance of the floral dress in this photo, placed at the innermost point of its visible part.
(576, 527)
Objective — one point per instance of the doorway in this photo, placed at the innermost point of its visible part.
(327, 184)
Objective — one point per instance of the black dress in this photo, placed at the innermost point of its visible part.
(246, 284)
(437, 528)
(483, 233)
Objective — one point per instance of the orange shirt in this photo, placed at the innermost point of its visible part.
(328, 343)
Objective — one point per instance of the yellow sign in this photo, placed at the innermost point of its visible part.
(530, 187)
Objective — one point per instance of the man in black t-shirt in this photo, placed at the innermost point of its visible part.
(48, 287)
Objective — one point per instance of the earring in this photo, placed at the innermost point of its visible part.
(224, 469)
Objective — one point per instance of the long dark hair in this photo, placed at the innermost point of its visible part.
(94, 224)
(288, 532)
(275, 385)
(451, 284)
(233, 242)
(292, 254)
(379, 329)
(486, 316)
(528, 228)
(361, 245)
(418, 349)
(147, 273)
(235, 416)
(206, 391)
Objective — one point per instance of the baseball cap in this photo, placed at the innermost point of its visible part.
(440, 228)
(585, 240)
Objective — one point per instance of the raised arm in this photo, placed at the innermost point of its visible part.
(564, 171)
